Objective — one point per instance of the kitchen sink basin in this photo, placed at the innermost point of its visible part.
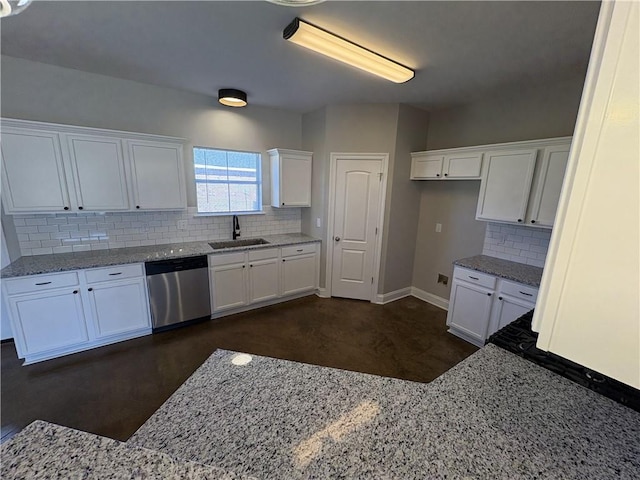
(245, 242)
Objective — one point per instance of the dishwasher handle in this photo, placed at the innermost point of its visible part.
(175, 265)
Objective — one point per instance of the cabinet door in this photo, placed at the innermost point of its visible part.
(228, 286)
(469, 312)
(463, 165)
(505, 310)
(157, 173)
(264, 279)
(426, 166)
(48, 320)
(98, 172)
(33, 177)
(119, 307)
(505, 186)
(299, 274)
(548, 184)
(295, 181)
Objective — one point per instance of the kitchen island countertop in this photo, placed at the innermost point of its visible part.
(518, 272)
(39, 264)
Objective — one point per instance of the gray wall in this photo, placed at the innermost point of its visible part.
(510, 115)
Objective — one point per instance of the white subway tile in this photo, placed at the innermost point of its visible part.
(81, 248)
(42, 251)
(62, 249)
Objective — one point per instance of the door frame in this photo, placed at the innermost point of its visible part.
(377, 259)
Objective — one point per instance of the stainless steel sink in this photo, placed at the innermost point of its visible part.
(245, 242)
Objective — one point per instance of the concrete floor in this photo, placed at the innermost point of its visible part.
(113, 390)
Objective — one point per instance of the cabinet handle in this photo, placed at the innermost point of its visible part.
(446, 174)
(282, 203)
(251, 266)
(80, 208)
(117, 273)
(90, 289)
(488, 294)
(244, 266)
(43, 283)
(499, 298)
(137, 206)
(533, 221)
(75, 292)
(299, 250)
(66, 208)
(525, 293)
(437, 174)
(283, 260)
(473, 278)
(519, 220)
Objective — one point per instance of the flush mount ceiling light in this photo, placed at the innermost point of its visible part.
(326, 43)
(231, 97)
(12, 7)
(295, 3)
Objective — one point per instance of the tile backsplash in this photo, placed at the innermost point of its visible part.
(519, 244)
(63, 233)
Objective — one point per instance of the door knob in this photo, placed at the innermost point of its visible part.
(337, 239)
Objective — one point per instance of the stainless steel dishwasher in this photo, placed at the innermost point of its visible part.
(178, 291)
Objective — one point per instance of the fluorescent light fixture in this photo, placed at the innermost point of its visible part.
(232, 97)
(326, 43)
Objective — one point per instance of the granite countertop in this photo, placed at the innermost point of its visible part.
(38, 264)
(518, 272)
(45, 450)
(493, 416)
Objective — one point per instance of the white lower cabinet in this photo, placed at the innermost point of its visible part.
(241, 281)
(482, 304)
(57, 314)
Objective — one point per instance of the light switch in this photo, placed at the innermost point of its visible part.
(318, 223)
(438, 227)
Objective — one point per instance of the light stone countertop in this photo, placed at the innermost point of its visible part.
(39, 264)
(46, 451)
(493, 416)
(518, 272)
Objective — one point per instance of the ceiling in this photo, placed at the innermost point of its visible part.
(460, 50)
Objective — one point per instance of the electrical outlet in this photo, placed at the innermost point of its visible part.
(318, 223)
(443, 279)
(182, 225)
(438, 227)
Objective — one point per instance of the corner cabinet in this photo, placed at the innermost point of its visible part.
(51, 168)
(246, 280)
(290, 178)
(481, 304)
(57, 314)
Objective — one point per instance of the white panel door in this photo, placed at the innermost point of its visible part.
(157, 174)
(357, 199)
(228, 286)
(299, 274)
(549, 185)
(99, 173)
(295, 180)
(469, 311)
(119, 307)
(504, 190)
(264, 280)
(426, 166)
(33, 178)
(48, 320)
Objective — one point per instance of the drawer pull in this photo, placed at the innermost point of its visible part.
(117, 273)
(75, 292)
(43, 283)
(525, 293)
(499, 298)
(299, 250)
(90, 289)
(473, 278)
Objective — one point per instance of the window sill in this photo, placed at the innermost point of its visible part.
(229, 214)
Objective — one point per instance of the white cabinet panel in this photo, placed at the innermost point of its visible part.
(48, 320)
(264, 280)
(426, 166)
(290, 178)
(463, 165)
(119, 307)
(99, 172)
(547, 186)
(157, 172)
(506, 183)
(33, 176)
(506, 309)
(469, 311)
(228, 286)
(299, 274)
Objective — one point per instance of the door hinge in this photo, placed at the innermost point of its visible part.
(371, 280)
(380, 174)
(376, 230)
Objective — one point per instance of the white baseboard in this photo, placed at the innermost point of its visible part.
(430, 298)
(322, 293)
(383, 298)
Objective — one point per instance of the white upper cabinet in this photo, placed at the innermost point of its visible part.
(98, 173)
(290, 178)
(547, 186)
(464, 165)
(33, 176)
(506, 183)
(426, 166)
(157, 172)
(50, 168)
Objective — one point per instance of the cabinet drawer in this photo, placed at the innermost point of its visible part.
(114, 273)
(226, 259)
(298, 249)
(478, 278)
(36, 283)
(523, 292)
(264, 254)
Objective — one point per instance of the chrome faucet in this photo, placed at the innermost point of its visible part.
(236, 227)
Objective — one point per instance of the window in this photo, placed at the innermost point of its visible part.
(227, 181)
